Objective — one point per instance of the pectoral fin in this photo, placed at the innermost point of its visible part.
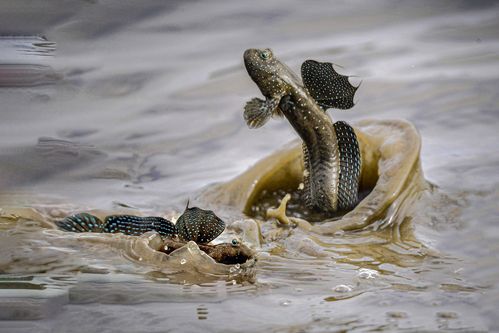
(257, 111)
(326, 86)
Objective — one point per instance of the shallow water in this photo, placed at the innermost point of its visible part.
(138, 107)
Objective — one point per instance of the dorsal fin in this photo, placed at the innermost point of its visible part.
(326, 86)
(199, 225)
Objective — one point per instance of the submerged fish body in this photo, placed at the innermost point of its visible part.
(331, 152)
(82, 222)
(137, 225)
(195, 224)
(231, 253)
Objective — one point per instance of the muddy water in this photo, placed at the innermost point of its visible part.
(128, 107)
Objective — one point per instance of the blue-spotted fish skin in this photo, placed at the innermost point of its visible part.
(82, 222)
(199, 225)
(138, 225)
(195, 224)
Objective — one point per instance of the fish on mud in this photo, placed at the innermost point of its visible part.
(331, 150)
(195, 224)
(225, 253)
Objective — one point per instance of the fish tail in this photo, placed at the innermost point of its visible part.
(137, 225)
(82, 222)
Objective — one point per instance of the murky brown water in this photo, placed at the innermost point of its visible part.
(136, 107)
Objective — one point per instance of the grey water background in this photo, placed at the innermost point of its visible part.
(140, 103)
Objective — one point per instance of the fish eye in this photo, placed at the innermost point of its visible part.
(235, 242)
(265, 54)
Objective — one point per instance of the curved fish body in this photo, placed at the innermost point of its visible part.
(331, 152)
(195, 224)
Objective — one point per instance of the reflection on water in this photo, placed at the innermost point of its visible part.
(25, 63)
(134, 108)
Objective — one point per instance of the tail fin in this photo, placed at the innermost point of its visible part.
(82, 222)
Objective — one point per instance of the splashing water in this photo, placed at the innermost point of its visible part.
(104, 115)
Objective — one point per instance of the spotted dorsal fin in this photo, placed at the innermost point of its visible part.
(199, 225)
(326, 86)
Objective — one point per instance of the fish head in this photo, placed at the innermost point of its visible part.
(270, 75)
(235, 252)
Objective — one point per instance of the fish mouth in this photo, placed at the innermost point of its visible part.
(247, 53)
(249, 58)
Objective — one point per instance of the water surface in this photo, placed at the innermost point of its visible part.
(124, 106)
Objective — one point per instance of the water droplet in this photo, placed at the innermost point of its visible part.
(183, 261)
(140, 258)
(447, 315)
(365, 273)
(237, 266)
(165, 248)
(343, 288)
(397, 314)
(285, 302)
(234, 282)
(232, 269)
